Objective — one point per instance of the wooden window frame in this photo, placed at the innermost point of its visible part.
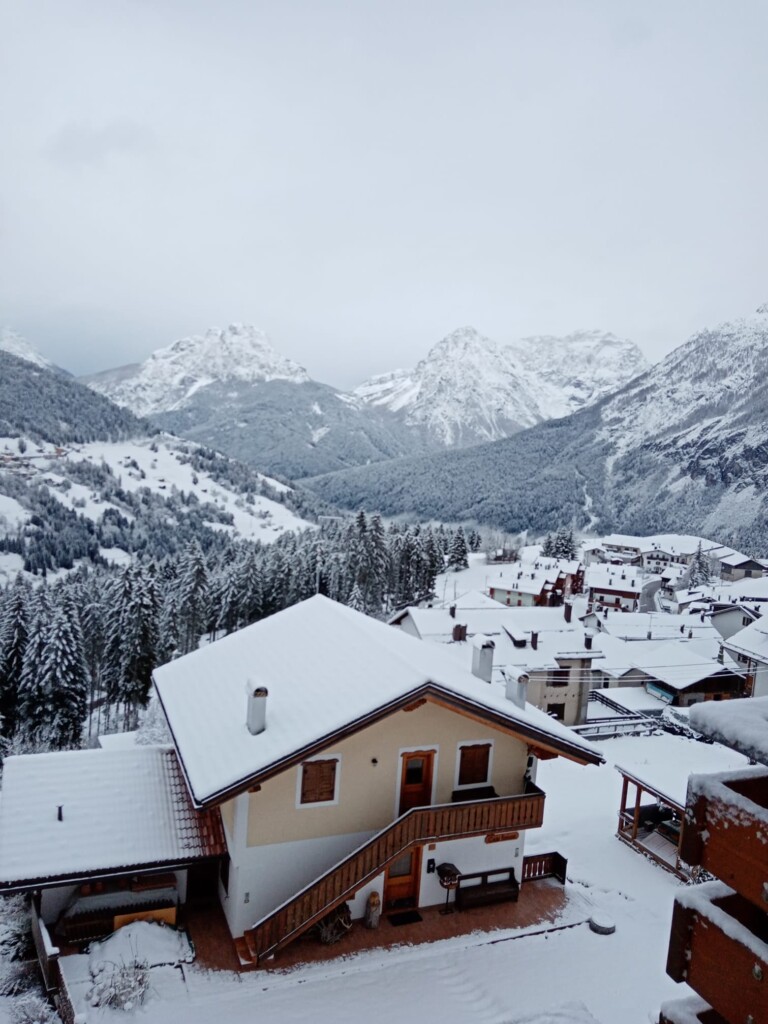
(330, 801)
(457, 784)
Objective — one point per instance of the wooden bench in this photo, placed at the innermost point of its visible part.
(486, 887)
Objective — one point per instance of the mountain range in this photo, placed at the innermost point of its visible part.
(683, 446)
(230, 389)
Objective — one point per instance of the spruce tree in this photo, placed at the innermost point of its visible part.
(33, 706)
(14, 629)
(193, 593)
(457, 554)
(64, 678)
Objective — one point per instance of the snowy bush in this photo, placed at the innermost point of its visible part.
(33, 1010)
(121, 986)
(15, 929)
(17, 977)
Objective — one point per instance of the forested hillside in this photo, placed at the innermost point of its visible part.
(48, 406)
(77, 656)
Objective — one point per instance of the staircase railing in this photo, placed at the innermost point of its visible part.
(419, 825)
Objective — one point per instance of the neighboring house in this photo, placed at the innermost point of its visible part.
(614, 586)
(547, 582)
(736, 566)
(652, 802)
(729, 619)
(719, 941)
(749, 649)
(340, 756)
(543, 644)
(675, 673)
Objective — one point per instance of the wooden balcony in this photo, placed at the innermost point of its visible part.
(719, 946)
(731, 813)
(417, 826)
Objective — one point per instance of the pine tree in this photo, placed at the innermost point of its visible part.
(698, 573)
(457, 554)
(356, 599)
(64, 677)
(14, 629)
(192, 593)
(33, 707)
(548, 547)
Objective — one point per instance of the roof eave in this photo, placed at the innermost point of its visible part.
(536, 736)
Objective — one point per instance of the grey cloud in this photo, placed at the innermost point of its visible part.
(87, 144)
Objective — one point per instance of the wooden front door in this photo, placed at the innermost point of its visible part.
(416, 780)
(401, 885)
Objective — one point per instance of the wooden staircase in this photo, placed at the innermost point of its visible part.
(417, 826)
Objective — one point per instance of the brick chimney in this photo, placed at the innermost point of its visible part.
(256, 718)
(568, 611)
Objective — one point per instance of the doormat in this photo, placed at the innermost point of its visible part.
(405, 917)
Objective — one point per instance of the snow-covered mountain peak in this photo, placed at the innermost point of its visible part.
(468, 388)
(171, 375)
(12, 342)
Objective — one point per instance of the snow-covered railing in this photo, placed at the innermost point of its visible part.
(419, 825)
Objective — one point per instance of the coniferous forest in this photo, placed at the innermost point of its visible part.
(76, 656)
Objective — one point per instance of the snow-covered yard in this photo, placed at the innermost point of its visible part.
(567, 975)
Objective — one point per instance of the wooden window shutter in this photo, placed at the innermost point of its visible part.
(318, 781)
(473, 765)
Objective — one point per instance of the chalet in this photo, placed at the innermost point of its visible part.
(724, 921)
(749, 648)
(318, 757)
(641, 626)
(675, 673)
(547, 582)
(735, 566)
(729, 619)
(612, 586)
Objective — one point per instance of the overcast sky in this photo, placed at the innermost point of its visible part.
(359, 178)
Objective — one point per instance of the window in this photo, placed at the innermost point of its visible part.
(558, 677)
(474, 762)
(318, 781)
(556, 711)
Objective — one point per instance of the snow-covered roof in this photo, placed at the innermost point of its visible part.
(741, 724)
(615, 577)
(665, 762)
(661, 625)
(120, 810)
(673, 543)
(751, 640)
(327, 669)
(676, 664)
(634, 698)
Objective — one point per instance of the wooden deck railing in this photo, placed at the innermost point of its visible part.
(544, 865)
(47, 953)
(419, 825)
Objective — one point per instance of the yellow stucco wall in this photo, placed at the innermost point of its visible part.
(368, 793)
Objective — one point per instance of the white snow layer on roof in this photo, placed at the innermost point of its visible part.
(742, 724)
(136, 797)
(324, 666)
(665, 762)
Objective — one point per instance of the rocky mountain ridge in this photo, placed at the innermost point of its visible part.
(684, 446)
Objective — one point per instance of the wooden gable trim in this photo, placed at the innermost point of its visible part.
(430, 692)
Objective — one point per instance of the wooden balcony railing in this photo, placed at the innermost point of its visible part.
(730, 814)
(419, 825)
(719, 946)
(544, 865)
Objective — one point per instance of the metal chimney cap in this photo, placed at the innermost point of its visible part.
(255, 691)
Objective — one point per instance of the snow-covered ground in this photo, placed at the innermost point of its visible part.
(565, 976)
(157, 464)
